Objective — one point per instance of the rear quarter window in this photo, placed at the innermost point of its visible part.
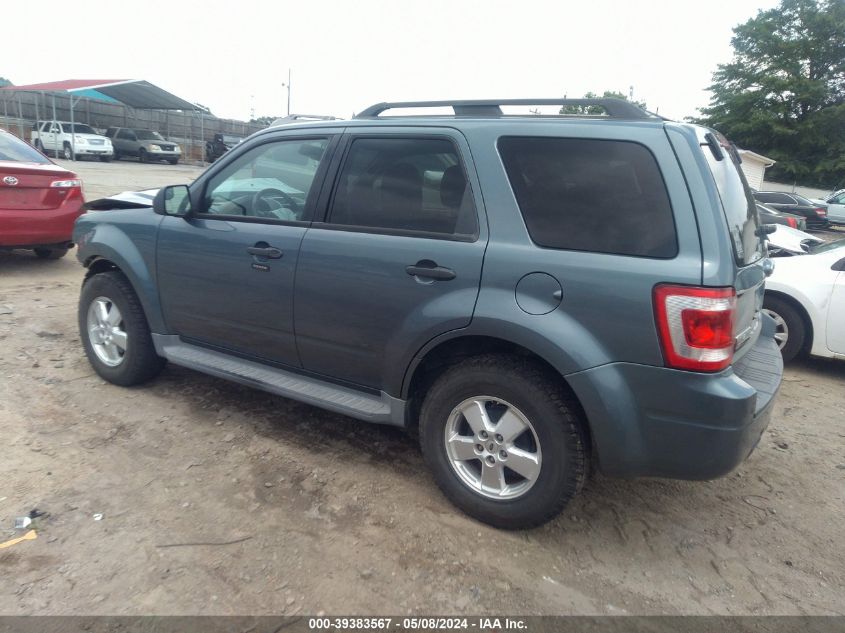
(593, 195)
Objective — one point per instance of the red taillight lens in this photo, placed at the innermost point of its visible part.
(792, 222)
(821, 212)
(695, 326)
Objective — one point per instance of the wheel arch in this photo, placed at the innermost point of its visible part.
(97, 264)
(430, 362)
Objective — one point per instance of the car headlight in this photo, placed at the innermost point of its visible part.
(155, 148)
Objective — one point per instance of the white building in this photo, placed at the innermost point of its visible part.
(754, 167)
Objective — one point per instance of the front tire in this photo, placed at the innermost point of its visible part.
(51, 253)
(172, 161)
(142, 155)
(67, 152)
(790, 329)
(506, 443)
(105, 159)
(114, 331)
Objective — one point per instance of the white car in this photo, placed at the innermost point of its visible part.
(784, 240)
(836, 208)
(71, 140)
(805, 296)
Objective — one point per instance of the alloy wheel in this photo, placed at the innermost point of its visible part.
(106, 331)
(493, 448)
(781, 328)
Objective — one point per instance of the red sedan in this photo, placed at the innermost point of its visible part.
(39, 201)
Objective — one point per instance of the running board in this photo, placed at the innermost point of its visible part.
(382, 409)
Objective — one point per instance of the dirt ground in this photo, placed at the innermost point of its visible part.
(217, 499)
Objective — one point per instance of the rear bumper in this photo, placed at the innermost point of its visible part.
(28, 228)
(659, 422)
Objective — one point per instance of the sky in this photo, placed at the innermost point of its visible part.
(233, 56)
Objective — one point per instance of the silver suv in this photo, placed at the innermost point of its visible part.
(147, 145)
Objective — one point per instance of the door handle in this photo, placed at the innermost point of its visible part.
(269, 252)
(430, 270)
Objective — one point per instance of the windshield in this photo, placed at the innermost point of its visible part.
(738, 203)
(823, 247)
(14, 149)
(148, 135)
(78, 128)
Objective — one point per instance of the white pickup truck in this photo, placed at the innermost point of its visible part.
(70, 140)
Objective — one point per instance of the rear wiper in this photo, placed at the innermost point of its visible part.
(715, 147)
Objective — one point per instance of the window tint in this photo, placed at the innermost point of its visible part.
(840, 199)
(774, 198)
(738, 203)
(591, 195)
(404, 184)
(14, 149)
(804, 202)
(125, 134)
(271, 181)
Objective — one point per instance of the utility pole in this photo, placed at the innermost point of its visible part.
(287, 85)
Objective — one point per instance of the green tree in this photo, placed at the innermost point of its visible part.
(5, 82)
(783, 93)
(568, 109)
(264, 120)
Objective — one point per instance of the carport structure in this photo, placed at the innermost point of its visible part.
(134, 93)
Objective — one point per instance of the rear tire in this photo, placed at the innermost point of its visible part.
(117, 340)
(791, 331)
(51, 253)
(529, 423)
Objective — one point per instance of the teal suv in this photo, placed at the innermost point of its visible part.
(532, 296)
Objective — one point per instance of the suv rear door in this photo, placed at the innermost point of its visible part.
(397, 259)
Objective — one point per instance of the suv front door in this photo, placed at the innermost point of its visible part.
(225, 273)
(397, 259)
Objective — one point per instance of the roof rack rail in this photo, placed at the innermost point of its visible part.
(296, 118)
(615, 108)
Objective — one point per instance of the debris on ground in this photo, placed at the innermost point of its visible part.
(29, 536)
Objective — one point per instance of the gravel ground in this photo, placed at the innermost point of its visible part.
(218, 499)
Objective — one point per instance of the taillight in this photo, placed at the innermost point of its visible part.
(792, 222)
(65, 184)
(821, 212)
(695, 326)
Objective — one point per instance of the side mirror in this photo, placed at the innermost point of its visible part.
(766, 229)
(174, 200)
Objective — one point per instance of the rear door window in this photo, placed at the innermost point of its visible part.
(404, 186)
(594, 195)
(738, 203)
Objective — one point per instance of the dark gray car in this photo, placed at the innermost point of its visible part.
(533, 296)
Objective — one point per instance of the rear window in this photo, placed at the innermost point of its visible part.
(591, 195)
(14, 149)
(804, 201)
(738, 203)
(774, 198)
